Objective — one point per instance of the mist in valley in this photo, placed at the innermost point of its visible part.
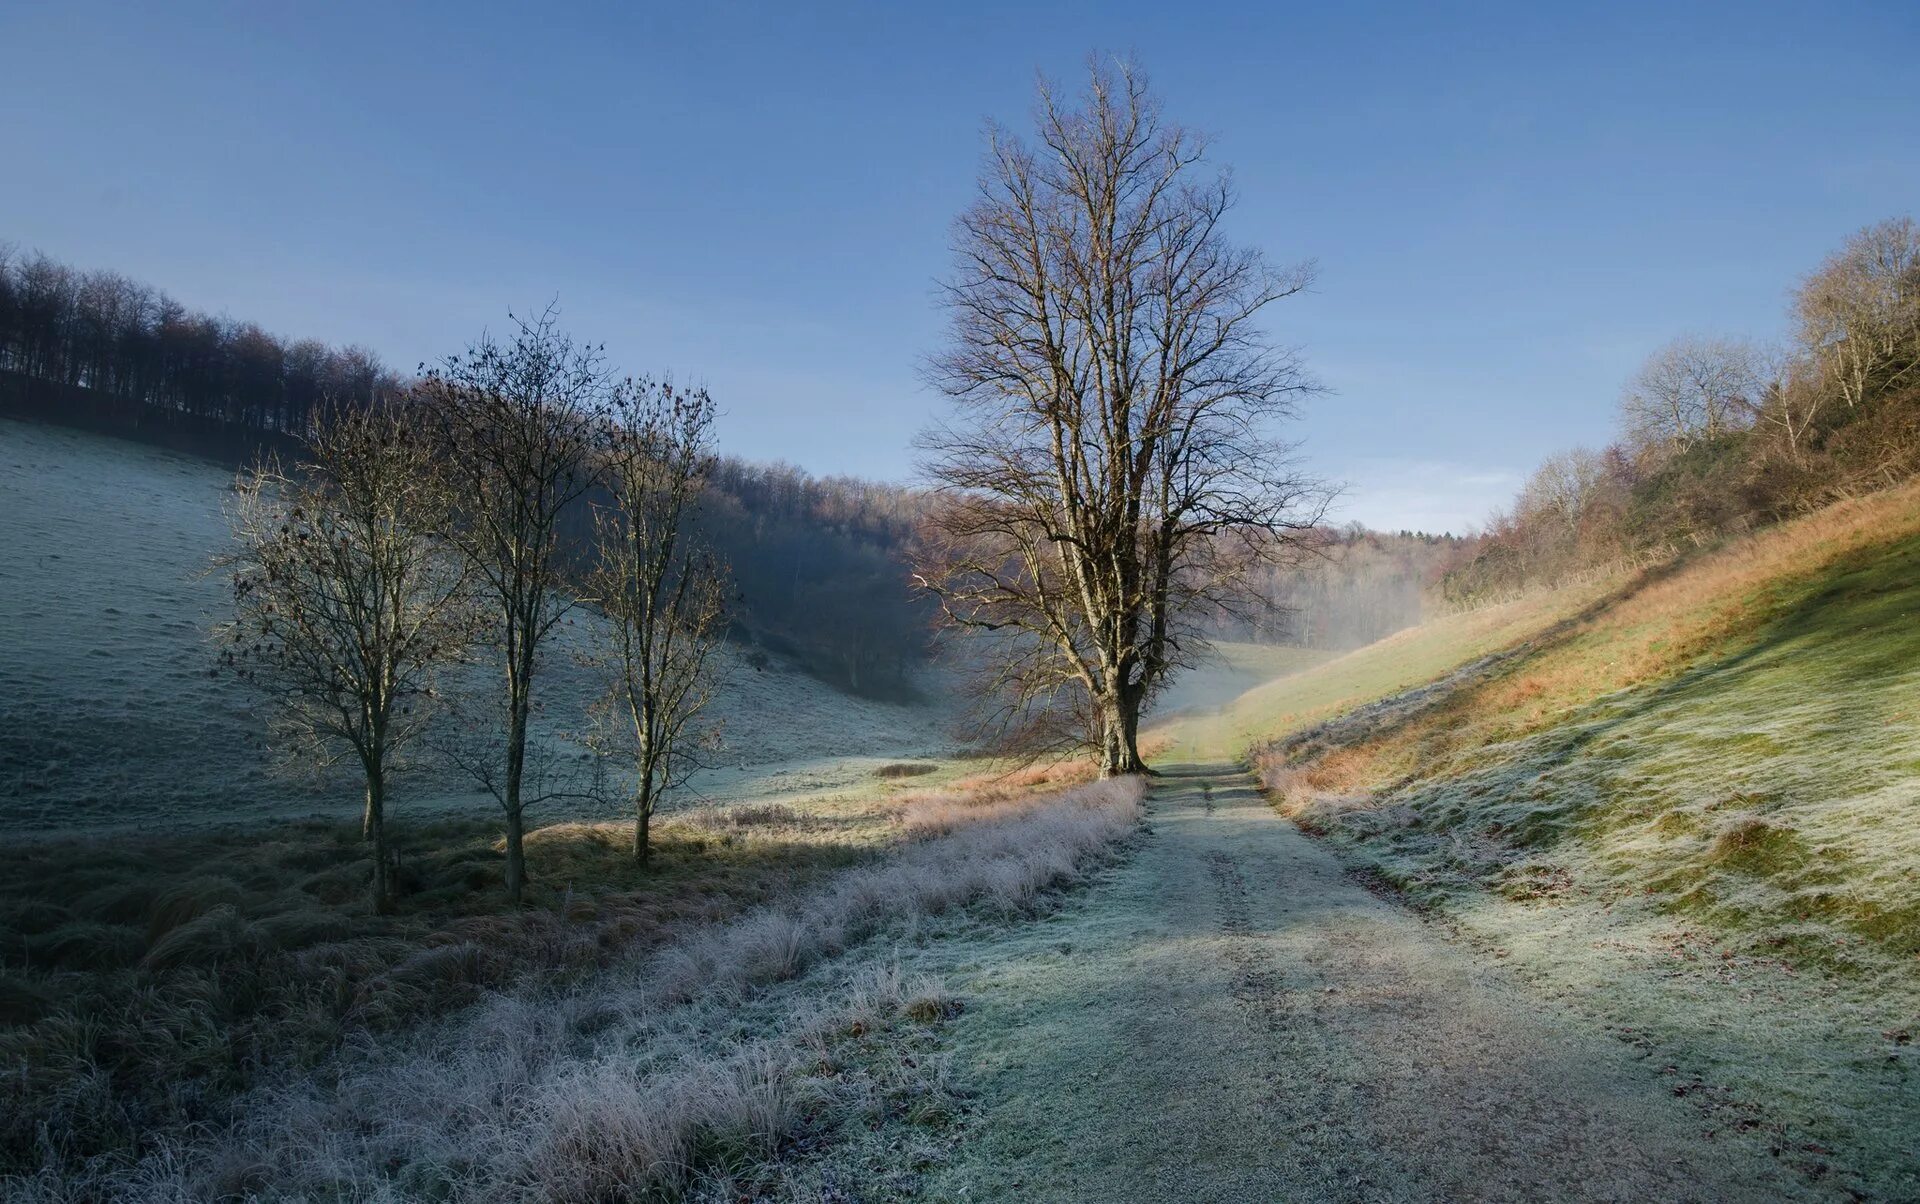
(910, 715)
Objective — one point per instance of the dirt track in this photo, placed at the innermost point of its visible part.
(1231, 1017)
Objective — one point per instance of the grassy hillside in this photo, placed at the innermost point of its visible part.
(1684, 802)
(1737, 736)
(110, 718)
(1312, 687)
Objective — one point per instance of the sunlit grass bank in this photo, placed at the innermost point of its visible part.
(1737, 737)
(1315, 687)
(1692, 809)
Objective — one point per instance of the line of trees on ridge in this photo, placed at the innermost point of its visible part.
(1720, 434)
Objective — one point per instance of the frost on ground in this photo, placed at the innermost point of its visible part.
(1229, 1017)
(1693, 817)
(689, 1066)
(109, 718)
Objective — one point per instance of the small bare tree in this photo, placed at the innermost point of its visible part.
(1692, 390)
(517, 422)
(664, 592)
(1860, 312)
(1112, 466)
(345, 603)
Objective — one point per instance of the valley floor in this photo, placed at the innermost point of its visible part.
(1230, 1016)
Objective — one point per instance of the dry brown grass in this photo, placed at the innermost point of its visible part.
(1654, 626)
(674, 1063)
(988, 796)
(1012, 780)
(163, 972)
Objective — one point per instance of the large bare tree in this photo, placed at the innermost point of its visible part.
(663, 590)
(345, 603)
(518, 423)
(1859, 313)
(1695, 389)
(1112, 464)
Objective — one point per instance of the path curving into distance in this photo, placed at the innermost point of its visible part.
(1229, 1017)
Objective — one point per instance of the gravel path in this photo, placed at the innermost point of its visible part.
(1231, 1017)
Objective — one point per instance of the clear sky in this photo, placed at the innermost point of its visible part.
(1510, 205)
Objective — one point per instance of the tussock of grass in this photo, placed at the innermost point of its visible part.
(904, 769)
(22, 1002)
(83, 944)
(687, 1062)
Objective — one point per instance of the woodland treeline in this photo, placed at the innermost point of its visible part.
(816, 560)
(1720, 434)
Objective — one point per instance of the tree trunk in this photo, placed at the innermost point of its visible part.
(1130, 738)
(1120, 737)
(642, 821)
(516, 766)
(375, 829)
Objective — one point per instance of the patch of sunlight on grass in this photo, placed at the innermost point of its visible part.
(1692, 812)
(1318, 691)
(1766, 785)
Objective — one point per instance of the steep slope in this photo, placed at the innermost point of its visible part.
(1736, 736)
(1691, 811)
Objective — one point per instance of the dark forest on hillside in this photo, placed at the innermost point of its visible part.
(817, 562)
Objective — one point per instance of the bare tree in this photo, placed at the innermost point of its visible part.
(518, 422)
(1860, 311)
(1112, 463)
(1793, 397)
(663, 591)
(1693, 389)
(345, 604)
(1559, 491)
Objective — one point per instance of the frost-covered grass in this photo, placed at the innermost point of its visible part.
(1738, 738)
(145, 980)
(110, 719)
(688, 1062)
(1693, 812)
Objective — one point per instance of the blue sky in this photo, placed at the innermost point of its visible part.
(1510, 205)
